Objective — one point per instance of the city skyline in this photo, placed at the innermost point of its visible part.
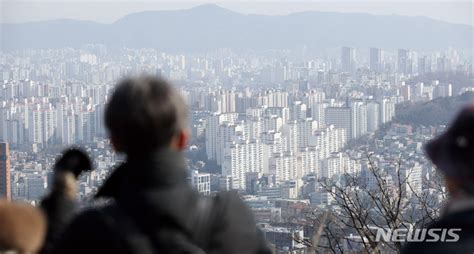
(272, 128)
(314, 120)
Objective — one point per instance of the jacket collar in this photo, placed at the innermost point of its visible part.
(160, 169)
(460, 204)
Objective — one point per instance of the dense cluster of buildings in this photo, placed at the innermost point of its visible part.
(266, 124)
(292, 138)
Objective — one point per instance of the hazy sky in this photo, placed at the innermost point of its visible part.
(107, 11)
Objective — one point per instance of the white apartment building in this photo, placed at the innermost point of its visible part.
(244, 156)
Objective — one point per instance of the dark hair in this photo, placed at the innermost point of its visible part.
(144, 114)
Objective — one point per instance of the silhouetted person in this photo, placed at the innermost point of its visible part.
(453, 155)
(154, 208)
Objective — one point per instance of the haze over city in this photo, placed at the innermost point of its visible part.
(108, 11)
(315, 113)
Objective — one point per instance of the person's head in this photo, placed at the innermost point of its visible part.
(146, 114)
(453, 153)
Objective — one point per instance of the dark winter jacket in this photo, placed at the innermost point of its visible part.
(153, 194)
(463, 220)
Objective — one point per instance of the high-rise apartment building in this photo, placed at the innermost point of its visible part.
(387, 111)
(347, 59)
(5, 189)
(373, 115)
(340, 117)
(375, 59)
(442, 64)
(359, 119)
(212, 131)
(241, 157)
(422, 62)
(404, 61)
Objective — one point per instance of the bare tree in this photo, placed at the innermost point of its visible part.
(375, 198)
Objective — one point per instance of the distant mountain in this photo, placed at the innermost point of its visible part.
(210, 26)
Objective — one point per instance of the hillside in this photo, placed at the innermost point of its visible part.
(436, 112)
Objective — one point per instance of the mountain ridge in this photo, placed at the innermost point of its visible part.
(210, 26)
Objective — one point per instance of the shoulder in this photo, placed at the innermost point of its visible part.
(459, 228)
(229, 199)
(235, 230)
(230, 205)
(90, 229)
(92, 218)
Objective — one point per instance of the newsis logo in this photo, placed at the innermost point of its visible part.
(418, 235)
